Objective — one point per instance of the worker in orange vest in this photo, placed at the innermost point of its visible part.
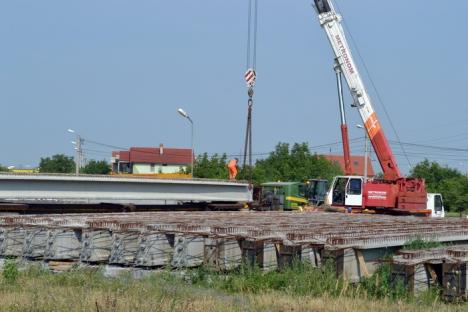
(232, 166)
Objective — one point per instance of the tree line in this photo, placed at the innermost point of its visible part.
(285, 163)
(61, 163)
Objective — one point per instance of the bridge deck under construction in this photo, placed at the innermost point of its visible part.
(187, 239)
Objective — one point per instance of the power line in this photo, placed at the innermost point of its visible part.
(434, 147)
(417, 151)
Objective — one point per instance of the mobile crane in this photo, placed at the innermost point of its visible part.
(394, 193)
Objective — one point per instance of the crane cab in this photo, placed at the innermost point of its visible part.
(346, 191)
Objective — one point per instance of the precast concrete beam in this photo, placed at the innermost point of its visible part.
(11, 241)
(35, 243)
(63, 244)
(155, 249)
(188, 251)
(97, 245)
(125, 246)
(85, 189)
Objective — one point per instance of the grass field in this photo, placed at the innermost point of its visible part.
(298, 289)
(455, 214)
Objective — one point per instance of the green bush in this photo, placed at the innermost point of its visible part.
(10, 271)
(381, 284)
(420, 243)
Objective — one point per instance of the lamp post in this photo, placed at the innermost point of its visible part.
(185, 115)
(78, 154)
(365, 151)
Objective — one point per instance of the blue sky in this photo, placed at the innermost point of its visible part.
(116, 71)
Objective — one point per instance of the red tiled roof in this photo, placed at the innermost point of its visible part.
(357, 164)
(153, 155)
(121, 155)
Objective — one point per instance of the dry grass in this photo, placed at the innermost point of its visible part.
(36, 290)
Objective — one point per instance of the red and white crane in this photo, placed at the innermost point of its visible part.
(394, 192)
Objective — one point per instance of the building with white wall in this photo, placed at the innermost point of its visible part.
(151, 160)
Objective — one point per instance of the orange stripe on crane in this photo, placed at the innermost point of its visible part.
(372, 125)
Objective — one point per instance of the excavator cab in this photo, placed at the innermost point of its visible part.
(316, 191)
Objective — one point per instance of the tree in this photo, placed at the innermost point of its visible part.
(58, 163)
(451, 183)
(295, 164)
(213, 167)
(455, 193)
(434, 174)
(96, 167)
(3, 169)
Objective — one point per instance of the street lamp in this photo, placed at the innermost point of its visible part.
(365, 150)
(79, 153)
(185, 115)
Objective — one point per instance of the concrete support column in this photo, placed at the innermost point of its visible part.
(222, 254)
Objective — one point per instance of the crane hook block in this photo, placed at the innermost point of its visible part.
(250, 92)
(322, 6)
(250, 77)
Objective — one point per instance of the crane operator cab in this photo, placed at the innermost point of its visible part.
(346, 191)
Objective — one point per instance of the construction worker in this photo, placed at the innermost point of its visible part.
(232, 166)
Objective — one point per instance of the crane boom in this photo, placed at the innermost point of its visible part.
(330, 21)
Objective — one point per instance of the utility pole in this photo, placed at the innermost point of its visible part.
(79, 155)
(78, 151)
(184, 114)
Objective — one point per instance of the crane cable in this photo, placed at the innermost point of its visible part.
(252, 35)
(250, 78)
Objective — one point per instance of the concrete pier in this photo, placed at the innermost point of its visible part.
(222, 254)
